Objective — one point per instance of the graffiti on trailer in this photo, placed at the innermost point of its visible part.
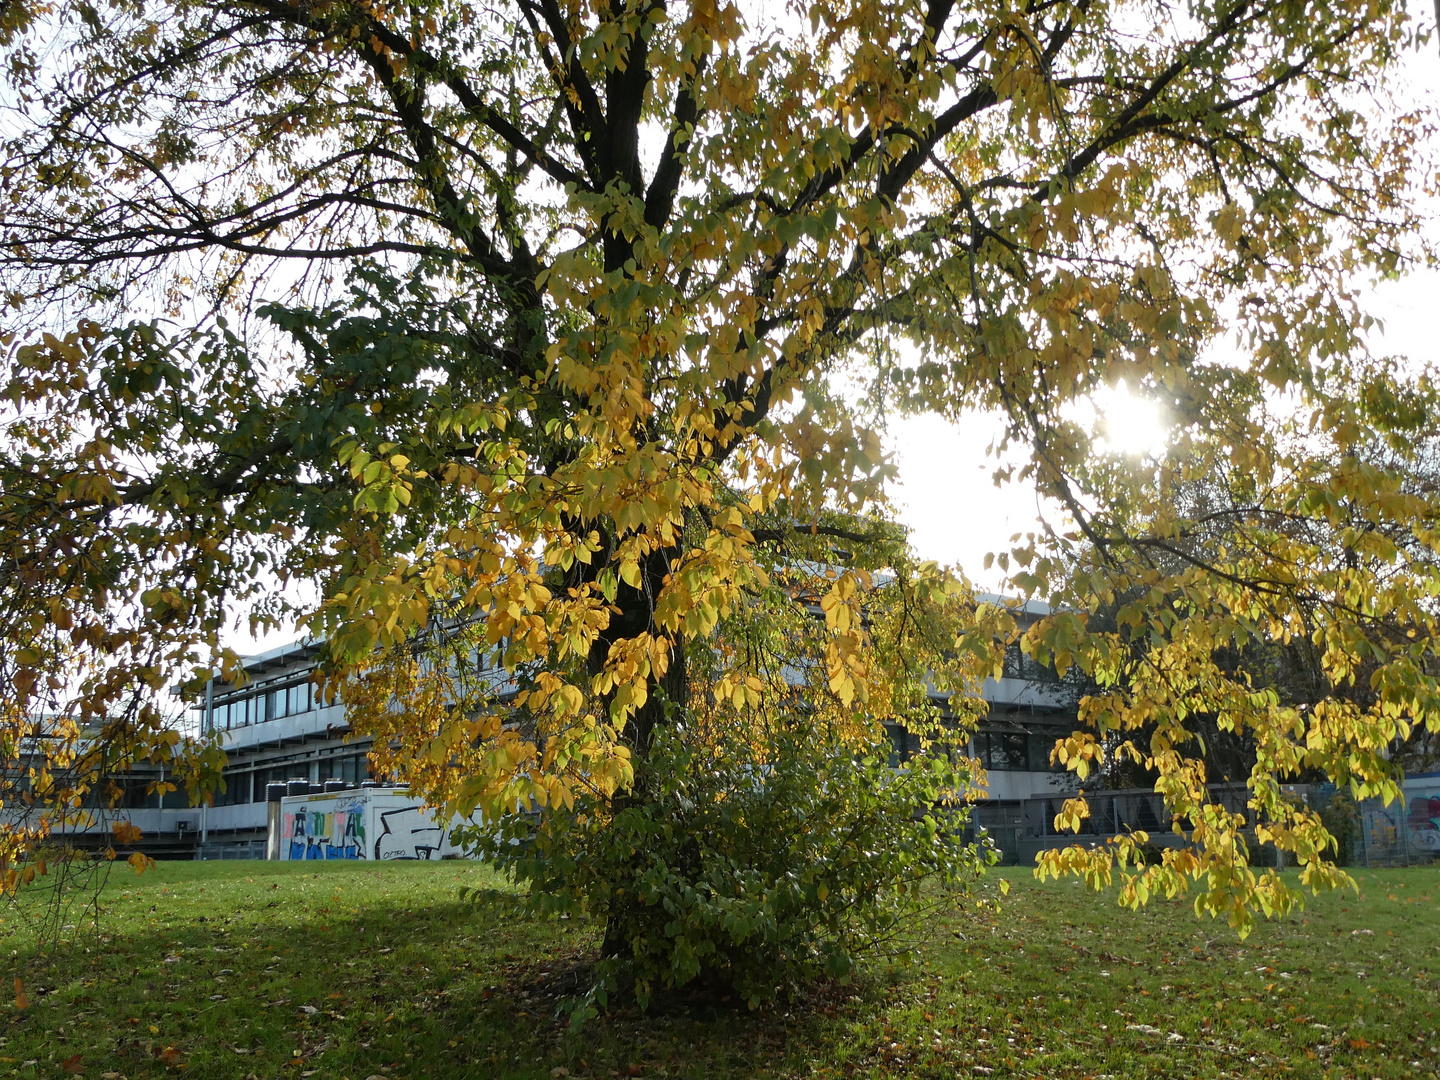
(408, 833)
(337, 832)
(1424, 821)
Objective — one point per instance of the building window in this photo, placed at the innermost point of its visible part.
(352, 768)
(267, 703)
(1020, 666)
(262, 778)
(237, 790)
(1015, 751)
(904, 744)
(297, 698)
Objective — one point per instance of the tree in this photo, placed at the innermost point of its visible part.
(1292, 666)
(545, 320)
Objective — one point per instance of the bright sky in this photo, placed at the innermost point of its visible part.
(956, 513)
(946, 495)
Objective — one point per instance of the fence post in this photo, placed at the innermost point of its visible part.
(1364, 834)
(1403, 828)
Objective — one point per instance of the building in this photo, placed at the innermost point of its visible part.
(276, 729)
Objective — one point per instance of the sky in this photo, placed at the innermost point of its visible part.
(955, 512)
(945, 494)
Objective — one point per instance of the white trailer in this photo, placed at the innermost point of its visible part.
(359, 823)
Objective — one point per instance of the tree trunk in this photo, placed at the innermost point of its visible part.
(666, 699)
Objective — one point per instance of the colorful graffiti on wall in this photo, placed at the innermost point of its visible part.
(336, 832)
(363, 824)
(1424, 822)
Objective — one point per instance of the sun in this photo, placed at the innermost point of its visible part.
(1128, 424)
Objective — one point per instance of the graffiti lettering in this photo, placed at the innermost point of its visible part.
(335, 832)
(1425, 822)
(408, 833)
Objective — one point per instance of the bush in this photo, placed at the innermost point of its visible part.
(753, 874)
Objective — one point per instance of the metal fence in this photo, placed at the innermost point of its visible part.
(231, 849)
(1405, 833)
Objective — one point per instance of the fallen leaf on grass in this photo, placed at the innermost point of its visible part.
(1144, 1029)
(72, 1065)
(21, 1001)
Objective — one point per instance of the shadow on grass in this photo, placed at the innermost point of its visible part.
(229, 970)
(356, 971)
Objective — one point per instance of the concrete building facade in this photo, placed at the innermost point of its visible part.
(276, 729)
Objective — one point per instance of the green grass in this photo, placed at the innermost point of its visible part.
(360, 970)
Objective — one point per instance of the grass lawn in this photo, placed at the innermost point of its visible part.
(359, 970)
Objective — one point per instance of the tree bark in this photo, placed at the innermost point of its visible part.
(666, 699)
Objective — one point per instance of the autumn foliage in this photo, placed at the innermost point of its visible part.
(563, 332)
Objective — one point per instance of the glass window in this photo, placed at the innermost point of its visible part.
(1041, 744)
(980, 748)
(237, 789)
(265, 777)
(1018, 665)
(1003, 751)
(1016, 745)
